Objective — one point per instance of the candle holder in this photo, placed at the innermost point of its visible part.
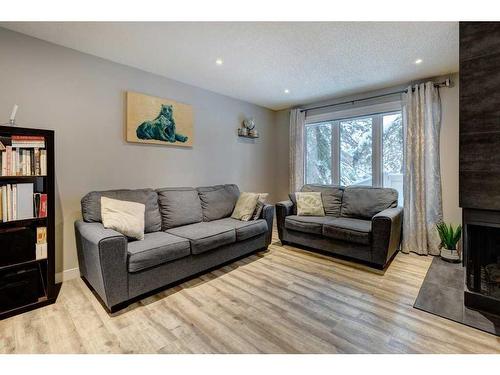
(12, 119)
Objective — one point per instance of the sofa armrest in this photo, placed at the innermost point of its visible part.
(283, 209)
(268, 215)
(386, 231)
(102, 258)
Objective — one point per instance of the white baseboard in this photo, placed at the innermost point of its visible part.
(66, 275)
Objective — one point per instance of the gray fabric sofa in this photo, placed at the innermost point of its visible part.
(187, 231)
(361, 223)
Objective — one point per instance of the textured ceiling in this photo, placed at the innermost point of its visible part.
(315, 61)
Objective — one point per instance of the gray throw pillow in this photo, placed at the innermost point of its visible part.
(261, 202)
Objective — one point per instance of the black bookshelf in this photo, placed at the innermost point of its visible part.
(38, 273)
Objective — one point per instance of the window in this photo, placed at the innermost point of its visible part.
(392, 153)
(319, 153)
(356, 151)
(365, 150)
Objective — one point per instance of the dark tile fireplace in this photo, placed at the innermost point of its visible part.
(482, 260)
(479, 163)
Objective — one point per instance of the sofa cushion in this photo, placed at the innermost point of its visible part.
(218, 201)
(350, 230)
(307, 224)
(155, 249)
(365, 202)
(330, 195)
(179, 206)
(91, 205)
(245, 229)
(205, 236)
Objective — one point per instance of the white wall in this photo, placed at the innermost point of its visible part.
(449, 145)
(81, 97)
(449, 152)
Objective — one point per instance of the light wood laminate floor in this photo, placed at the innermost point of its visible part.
(285, 300)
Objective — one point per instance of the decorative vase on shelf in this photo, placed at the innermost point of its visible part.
(249, 123)
(248, 129)
(449, 240)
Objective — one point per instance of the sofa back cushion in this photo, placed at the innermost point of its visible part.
(91, 205)
(330, 195)
(218, 201)
(179, 206)
(364, 202)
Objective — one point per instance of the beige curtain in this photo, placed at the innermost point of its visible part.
(297, 121)
(422, 179)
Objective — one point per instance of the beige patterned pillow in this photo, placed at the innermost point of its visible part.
(309, 204)
(245, 206)
(123, 216)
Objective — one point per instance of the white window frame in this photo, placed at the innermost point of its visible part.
(376, 112)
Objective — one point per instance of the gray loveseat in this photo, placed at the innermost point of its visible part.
(187, 231)
(361, 223)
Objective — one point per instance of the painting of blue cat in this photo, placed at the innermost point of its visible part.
(162, 128)
(159, 121)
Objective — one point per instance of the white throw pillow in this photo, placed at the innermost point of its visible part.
(123, 216)
(309, 204)
(245, 206)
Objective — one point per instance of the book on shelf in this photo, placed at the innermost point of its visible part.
(19, 202)
(23, 156)
(14, 202)
(40, 204)
(28, 141)
(25, 209)
(9, 202)
(3, 198)
(41, 243)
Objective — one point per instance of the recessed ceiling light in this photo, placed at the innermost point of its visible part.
(418, 61)
(219, 61)
(287, 91)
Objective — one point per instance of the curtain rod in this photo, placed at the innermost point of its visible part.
(445, 83)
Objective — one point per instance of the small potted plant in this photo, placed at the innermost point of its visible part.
(449, 239)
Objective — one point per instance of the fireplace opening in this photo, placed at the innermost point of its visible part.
(483, 260)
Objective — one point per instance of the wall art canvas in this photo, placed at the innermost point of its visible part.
(158, 121)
